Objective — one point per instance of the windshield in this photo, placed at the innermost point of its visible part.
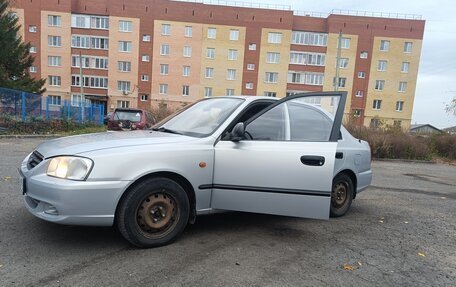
(202, 118)
(132, 116)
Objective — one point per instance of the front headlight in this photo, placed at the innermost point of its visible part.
(69, 167)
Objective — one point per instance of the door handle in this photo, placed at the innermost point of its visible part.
(313, 160)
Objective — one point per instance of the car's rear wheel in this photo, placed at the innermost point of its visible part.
(153, 213)
(341, 195)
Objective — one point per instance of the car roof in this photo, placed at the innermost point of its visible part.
(250, 98)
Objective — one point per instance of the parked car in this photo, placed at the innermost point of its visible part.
(107, 117)
(254, 154)
(130, 119)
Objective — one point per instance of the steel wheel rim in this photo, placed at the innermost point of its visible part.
(339, 194)
(157, 215)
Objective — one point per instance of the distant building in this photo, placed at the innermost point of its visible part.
(450, 130)
(140, 53)
(424, 129)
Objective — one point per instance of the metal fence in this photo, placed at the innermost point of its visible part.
(23, 106)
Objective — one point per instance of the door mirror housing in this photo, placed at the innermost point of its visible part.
(238, 132)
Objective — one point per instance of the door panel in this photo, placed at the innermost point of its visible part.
(285, 165)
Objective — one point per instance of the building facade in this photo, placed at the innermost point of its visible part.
(145, 53)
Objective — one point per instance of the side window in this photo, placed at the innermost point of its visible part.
(269, 126)
(307, 123)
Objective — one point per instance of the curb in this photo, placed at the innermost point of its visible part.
(405, 160)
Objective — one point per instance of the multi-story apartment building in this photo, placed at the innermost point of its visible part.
(140, 53)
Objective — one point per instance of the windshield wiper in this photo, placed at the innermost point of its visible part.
(165, 130)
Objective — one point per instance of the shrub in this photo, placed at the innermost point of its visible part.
(445, 145)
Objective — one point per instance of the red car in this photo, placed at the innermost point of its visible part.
(130, 119)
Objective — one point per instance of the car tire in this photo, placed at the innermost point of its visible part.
(342, 194)
(153, 213)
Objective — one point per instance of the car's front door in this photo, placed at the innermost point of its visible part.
(285, 165)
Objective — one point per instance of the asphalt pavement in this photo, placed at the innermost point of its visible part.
(399, 232)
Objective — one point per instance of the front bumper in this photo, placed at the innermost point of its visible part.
(70, 202)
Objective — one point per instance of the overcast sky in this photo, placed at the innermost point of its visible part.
(437, 73)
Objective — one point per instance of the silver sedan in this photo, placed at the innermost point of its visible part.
(254, 154)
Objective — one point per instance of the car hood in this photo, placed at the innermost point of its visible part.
(107, 140)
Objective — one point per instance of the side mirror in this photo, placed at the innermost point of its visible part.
(238, 132)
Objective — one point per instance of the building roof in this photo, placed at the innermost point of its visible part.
(419, 126)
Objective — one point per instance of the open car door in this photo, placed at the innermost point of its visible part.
(284, 163)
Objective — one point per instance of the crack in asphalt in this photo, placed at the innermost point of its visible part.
(416, 191)
(429, 178)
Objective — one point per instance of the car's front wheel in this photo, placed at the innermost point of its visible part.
(341, 195)
(153, 213)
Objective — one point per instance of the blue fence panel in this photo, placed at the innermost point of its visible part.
(23, 106)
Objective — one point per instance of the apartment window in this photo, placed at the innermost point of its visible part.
(272, 57)
(123, 86)
(185, 90)
(76, 61)
(100, 63)
(145, 78)
(377, 104)
(32, 49)
(379, 85)
(234, 35)
(187, 51)
(32, 29)
(209, 73)
(166, 29)
(252, 47)
(399, 106)
(270, 94)
(408, 47)
(124, 66)
(79, 41)
(361, 75)
(188, 32)
(271, 77)
(405, 67)
(80, 21)
(343, 63)
(308, 78)
(164, 69)
(123, 104)
(363, 55)
(125, 26)
(342, 82)
(144, 98)
(54, 61)
(375, 123)
(55, 100)
(382, 65)
(164, 49)
(307, 58)
(345, 43)
(125, 46)
(356, 113)
(54, 41)
(210, 53)
(163, 89)
(100, 43)
(232, 54)
(250, 67)
(402, 86)
(186, 71)
(249, 85)
(99, 22)
(145, 58)
(211, 33)
(229, 92)
(76, 99)
(397, 123)
(208, 92)
(146, 38)
(274, 37)
(359, 94)
(33, 69)
(54, 20)
(309, 38)
(231, 74)
(90, 81)
(54, 81)
(384, 45)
